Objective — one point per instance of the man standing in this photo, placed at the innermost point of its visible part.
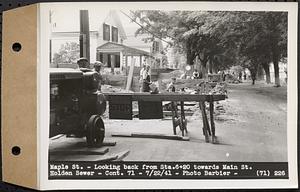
(196, 74)
(146, 79)
(171, 86)
(97, 75)
(83, 63)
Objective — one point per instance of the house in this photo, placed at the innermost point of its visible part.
(176, 59)
(110, 44)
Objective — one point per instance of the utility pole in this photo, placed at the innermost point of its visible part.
(84, 37)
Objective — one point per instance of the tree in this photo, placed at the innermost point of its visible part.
(262, 39)
(68, 53)
(250, 39)
(187, 31)
(276, 24)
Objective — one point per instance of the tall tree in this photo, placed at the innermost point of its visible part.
(276, 28)
(222, 38)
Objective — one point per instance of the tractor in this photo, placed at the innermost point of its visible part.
(76, 105)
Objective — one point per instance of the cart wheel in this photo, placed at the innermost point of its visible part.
(95, 131)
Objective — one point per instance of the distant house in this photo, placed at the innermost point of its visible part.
(176, 59)
(112, 49)
(110, 44)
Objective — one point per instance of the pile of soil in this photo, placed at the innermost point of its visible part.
(232, 79)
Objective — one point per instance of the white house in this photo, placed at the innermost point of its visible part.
(109, 44)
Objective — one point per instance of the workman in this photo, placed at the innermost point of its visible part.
(83, 62)
(196, 74)
(146, 79)
(171, 86)
(97, 75)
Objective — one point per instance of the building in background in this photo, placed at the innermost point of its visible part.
(109, 44)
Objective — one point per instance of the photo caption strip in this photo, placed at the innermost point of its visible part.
(168, 170)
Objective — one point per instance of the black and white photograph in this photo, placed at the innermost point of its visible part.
(170, 93)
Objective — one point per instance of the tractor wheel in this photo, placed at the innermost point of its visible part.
(95, 131)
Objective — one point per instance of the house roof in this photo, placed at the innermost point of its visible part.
(115, 47)
(114, 18)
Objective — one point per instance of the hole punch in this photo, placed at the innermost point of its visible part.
(16, 150)
(16, 47)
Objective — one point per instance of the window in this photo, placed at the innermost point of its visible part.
(114, 36)
(155, 46)
(106, 32)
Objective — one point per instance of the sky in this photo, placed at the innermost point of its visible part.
(67, 19)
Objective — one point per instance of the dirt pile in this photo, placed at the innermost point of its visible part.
(113, 89)
(232, 79)
(220, 88)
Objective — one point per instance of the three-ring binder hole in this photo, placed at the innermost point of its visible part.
(16, 47)
(16, 150)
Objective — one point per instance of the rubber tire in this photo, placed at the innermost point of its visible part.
(95, 131)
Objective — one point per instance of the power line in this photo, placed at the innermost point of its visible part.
(152, 25)
(152, 33)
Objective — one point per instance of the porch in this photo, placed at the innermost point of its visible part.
(117, 58)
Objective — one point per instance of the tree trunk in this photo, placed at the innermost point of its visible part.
(260, 73)
(204, 60)
(275, 53)
(253, 73)
(276, 71)
(267, 72)
(190, 55)
(253, 77)
(210, 68)
(204, 68)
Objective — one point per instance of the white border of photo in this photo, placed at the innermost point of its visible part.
(43, 107)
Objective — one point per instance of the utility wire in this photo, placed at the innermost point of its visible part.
(152, 25)
(152, 33)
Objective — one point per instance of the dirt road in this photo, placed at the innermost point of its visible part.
(252, 127)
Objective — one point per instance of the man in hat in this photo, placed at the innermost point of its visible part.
(83, 62)
(146, 79)
(171, 86)
(97, 75)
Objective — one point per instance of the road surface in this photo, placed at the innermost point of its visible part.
(250, 126)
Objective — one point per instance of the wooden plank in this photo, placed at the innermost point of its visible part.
(212, 123)
(167, 97)
(130, 75)
(79, 152)
(205, 128)
(122, 155)
(183, 120)
(57, 137)
(169, 113)
(109, 143)
(83, 145)
(121, 134)
(151, 136)
(174, 116)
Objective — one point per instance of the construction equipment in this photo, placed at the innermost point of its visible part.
(75, 105)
